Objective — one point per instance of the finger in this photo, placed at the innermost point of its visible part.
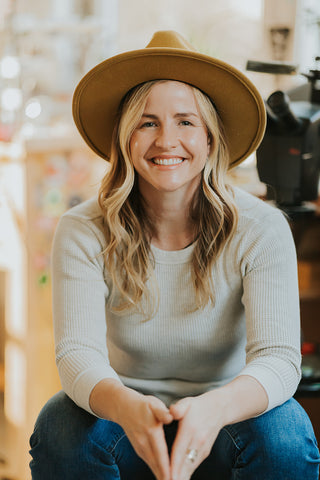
(186, 439)
(160, 454)
(161, 416)
(186, 466)
(179, 409)
(160, 411)
(153, 450)
(179, 460)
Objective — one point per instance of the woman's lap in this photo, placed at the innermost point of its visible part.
(70, 443)
(284, 445)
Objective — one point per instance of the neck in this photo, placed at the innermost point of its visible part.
(169, 213)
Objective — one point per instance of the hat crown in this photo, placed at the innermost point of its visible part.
(169, 39)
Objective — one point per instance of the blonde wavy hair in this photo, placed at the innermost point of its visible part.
(128, 230)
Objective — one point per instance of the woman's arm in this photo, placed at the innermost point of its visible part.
(142, 418)
(201, 418)
(271, 303)
(79, 298)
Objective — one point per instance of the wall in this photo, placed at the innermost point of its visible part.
(227, 29)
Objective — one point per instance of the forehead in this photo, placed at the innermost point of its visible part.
(172, 92)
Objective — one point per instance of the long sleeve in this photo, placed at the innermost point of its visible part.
(271, 301)
(79, 297)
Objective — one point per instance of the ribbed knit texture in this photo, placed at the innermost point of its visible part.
(252, 329)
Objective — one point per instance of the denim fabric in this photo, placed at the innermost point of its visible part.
(70, 444)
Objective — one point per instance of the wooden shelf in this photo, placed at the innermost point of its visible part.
(309, 280)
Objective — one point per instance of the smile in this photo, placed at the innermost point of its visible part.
(167, 161)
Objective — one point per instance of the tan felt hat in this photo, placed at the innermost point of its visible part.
(169, 56)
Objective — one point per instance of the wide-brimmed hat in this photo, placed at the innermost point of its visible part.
(169, 56)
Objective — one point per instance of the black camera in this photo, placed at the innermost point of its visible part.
(288, 159)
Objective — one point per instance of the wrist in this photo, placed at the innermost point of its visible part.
(105, 399)
(218, 403)
(242, 398)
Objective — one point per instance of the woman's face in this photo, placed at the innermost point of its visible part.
(170, 145)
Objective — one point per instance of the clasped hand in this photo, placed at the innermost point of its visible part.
(197, 431)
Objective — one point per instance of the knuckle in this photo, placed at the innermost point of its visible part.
(206, 451)
(149, 431)
(202, 440)
(140, 444)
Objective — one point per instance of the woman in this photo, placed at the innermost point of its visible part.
(175, 296)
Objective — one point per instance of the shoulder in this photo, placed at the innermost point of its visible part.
(88, 211)
(255, 213)
(82, 223)
(261, 223)
(253, 208)
(78, 244)
(262, 228)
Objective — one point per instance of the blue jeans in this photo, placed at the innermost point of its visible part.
(70, 444)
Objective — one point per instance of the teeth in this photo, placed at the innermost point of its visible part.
(167, 161)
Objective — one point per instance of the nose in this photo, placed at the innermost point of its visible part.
(166, 137)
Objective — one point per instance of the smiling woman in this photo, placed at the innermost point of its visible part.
(174, 143)
(170, 189)
(176, 307)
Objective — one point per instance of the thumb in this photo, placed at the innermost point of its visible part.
(160, 411)
(179, 409)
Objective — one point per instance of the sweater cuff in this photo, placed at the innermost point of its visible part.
(86, 382)
(271, 381)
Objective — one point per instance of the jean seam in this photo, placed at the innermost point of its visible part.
(232, 438)
(117, 442)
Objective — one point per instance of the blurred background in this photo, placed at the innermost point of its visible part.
(45, 167)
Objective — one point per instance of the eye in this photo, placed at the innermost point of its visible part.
(185, 123)
(148, 125)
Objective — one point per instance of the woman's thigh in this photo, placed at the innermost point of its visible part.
(277, 444)
(71, 444)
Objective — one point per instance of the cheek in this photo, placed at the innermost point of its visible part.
(193, 142)
(199, 142)
(134, 148)
(134, 145)
(133, 140)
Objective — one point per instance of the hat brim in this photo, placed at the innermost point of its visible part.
(98, 95)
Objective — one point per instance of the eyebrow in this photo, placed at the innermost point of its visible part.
(177, 115)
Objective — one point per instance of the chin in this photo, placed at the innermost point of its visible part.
(168, 188)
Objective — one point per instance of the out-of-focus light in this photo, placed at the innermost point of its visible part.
(28, 130)
(15, 384)
(9, 67)
(13, 152)
(16, 152)
(11, 99)
(33, 108)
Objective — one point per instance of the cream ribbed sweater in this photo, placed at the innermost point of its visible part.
(252, 329)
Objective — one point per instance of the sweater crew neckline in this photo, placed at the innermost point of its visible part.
(170, 257)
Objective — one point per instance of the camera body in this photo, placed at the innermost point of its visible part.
(288, 159)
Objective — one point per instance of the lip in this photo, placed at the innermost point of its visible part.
(167, 157)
